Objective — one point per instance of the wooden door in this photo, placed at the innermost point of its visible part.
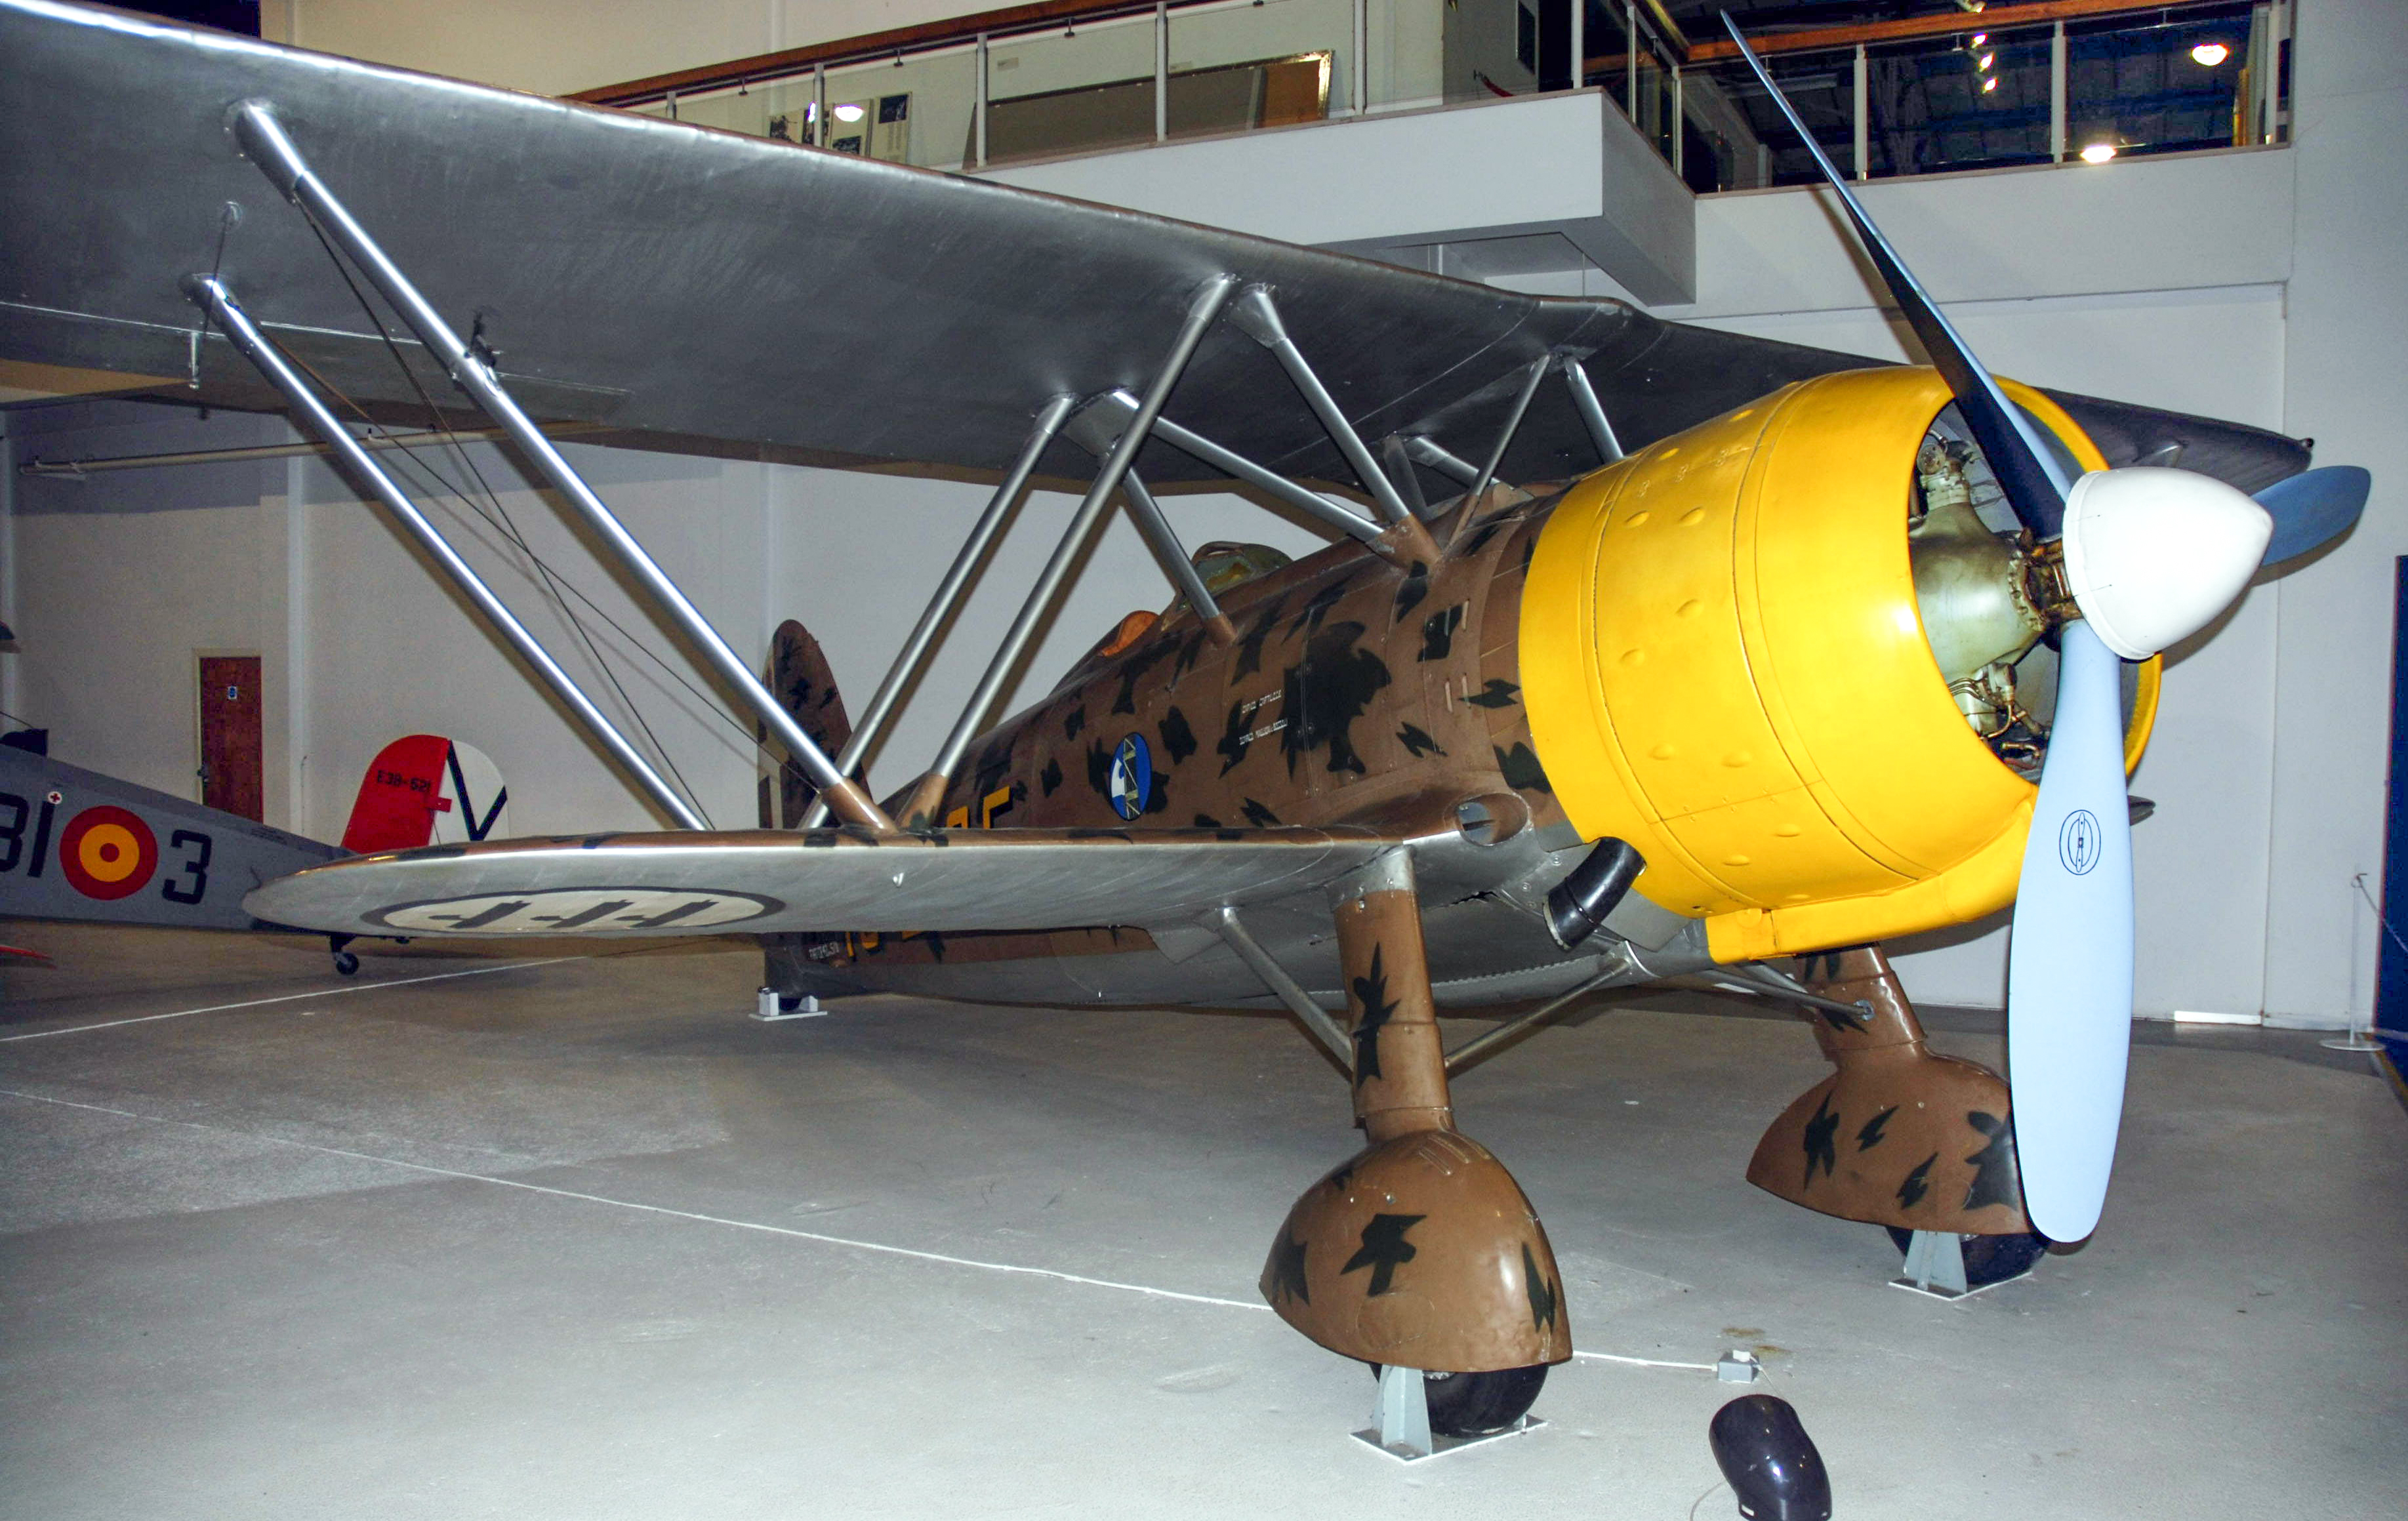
(232, 777)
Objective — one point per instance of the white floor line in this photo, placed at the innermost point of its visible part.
(287, 997)
(855, 1243)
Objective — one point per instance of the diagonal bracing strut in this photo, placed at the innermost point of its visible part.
(211, 294)
(262, 140)
(1202, 309)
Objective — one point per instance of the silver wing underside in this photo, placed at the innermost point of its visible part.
(822, 880)
(732, 293)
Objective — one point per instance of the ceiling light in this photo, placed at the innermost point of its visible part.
(847, 113)
(1989, 84)
(1986, 60)
(1980, 37)
(2097, 153)
(2209, 54)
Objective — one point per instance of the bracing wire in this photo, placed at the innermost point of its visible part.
(507, 526)
(553, 582)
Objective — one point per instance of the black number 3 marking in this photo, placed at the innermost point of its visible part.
(197, 866)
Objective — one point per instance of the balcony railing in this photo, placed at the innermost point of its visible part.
(2014, 84)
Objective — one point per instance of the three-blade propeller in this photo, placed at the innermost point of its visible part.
(2151, 556)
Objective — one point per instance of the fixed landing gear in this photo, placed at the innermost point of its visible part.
(1420, 1252)
(345, 963)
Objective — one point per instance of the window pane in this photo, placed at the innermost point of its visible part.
(1953, 103)
(1273, 65)
(1075, 91)
(2179, 84)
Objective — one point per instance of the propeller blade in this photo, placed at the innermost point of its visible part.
(2069, 963)
(2034, 482)
(2312, 509)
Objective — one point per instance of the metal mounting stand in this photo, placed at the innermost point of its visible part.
(1401, 1421)
(1935, 1265)
(771, 1008)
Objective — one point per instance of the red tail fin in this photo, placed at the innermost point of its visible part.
(422, 788)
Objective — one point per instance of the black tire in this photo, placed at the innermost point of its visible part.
(1475, 1404)
(345, 963)
(1988, 1259)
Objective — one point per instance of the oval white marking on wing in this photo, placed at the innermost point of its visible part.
(572, 910)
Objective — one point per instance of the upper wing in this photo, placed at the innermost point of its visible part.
(760, 882)
(713, 288)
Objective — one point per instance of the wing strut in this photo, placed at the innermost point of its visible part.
(1591, 412)
(1423, 449)
(1258, 317)
(947, 596)
(1224, 922)
(1092, 430)
(265, 143)
(1202, 310)
(211, 294)
(1119, 406)
(1504, 438)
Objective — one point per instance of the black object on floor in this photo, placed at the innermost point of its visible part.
(1770, 1461)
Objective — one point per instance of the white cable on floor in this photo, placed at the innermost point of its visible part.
(287, 997)
(853, 1242)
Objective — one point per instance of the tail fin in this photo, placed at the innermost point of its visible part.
(800, 675)
(424, 789)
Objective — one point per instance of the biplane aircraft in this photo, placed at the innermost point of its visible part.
(1639, 650)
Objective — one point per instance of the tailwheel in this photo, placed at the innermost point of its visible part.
(1988, 1259)
(1476, 1404)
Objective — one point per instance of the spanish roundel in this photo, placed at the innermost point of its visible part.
(424, 789)
(108, 852)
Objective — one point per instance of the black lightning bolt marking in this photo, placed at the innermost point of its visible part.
(1073, 720)
(1544, 1295)
(1372, 994)
(1411, 590)
(1996, 1180)
(1250, 644)
(1437, 632)
(1918, 1183)
(1384, 1249)
(1480, 538)
(1099, 767)
(1178, 740)
(1309, 620)
(1287, 1270)
(1521, 768)
(1870, 1136)
(1499, 693)
(1326, 692)
(1051, 776)
(1418, 741)
(1819, 1147)
(1259, 816)
(1206, 820)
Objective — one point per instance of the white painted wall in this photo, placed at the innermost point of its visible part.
(2259, 286)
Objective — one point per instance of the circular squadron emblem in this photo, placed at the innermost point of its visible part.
(2080, 842)
(1131, 784)
(589, 910)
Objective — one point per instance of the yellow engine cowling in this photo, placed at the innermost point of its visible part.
(1725, 665)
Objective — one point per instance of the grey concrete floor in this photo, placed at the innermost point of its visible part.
(579, 1239)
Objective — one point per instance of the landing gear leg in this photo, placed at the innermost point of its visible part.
(1420, 1255)
(345, 963)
